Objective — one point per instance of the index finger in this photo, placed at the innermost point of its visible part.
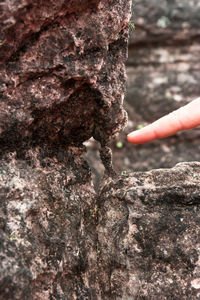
(186, 117)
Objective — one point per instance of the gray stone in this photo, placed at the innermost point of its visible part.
(148, 234)
(64, 67)
(62, 81)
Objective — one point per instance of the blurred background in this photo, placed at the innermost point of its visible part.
(163, 74)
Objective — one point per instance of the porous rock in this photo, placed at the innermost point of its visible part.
(62, 71)
(148, 234)
(47, 224)
(62, 81)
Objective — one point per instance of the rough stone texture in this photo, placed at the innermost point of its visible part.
(21, 20)
(48, 238)
(62, 81)
(148, 234)
(63, 76)
(138, 239)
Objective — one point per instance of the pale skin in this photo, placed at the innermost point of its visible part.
(186, 117)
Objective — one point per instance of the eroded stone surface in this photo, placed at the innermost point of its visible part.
(48, 226)
(139, 238)
(67, 82)
(62, 81)
(148, 234)
(20, 20)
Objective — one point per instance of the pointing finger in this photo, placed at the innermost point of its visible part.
(186, 117)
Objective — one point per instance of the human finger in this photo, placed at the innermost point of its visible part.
(186, 117)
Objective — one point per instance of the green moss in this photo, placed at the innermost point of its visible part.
(13, 237)
(131, 25)
(119, 145)
(140, 126)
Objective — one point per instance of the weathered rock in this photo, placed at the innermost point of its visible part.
(146, 244)
(62, 81)
(25, 19)
(67, 82)
(148, 234)
(48, 239)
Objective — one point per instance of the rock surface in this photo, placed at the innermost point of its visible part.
(148, 234)
(139, 238)
(62, 71)
(47, 227)
(62, 81)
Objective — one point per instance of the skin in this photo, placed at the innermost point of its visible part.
(186, 117)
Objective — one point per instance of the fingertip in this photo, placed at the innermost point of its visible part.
(131, 137)
(128, 138)
(141, 136)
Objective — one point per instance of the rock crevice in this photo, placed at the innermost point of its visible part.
(62, 81)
